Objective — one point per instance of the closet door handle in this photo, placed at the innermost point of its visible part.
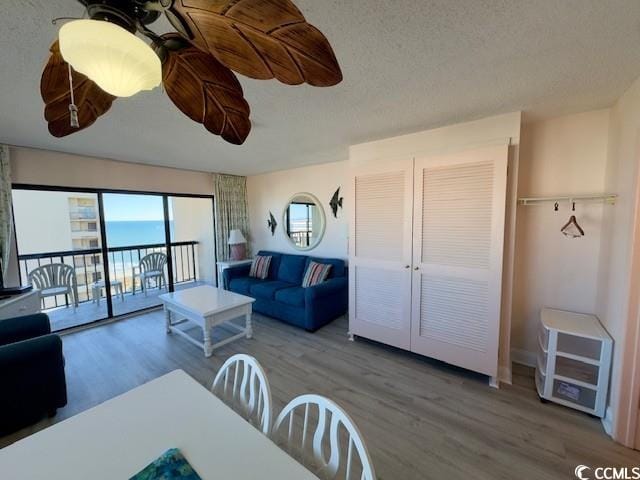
(417, 268)
(407, 266)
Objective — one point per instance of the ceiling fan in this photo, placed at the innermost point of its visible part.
(97, 59)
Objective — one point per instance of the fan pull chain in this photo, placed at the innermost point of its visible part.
(73, 109)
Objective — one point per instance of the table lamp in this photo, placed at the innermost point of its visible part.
(238, 245)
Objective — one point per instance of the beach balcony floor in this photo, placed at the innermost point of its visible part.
(89, 311)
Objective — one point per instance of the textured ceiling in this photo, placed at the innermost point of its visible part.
(408, 65)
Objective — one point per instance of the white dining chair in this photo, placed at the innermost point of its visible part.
(340, 464)
(250, 394)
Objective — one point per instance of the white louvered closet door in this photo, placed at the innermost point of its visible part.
(457, 257)
(380, 252)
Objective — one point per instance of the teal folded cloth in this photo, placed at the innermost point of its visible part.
(171, 465)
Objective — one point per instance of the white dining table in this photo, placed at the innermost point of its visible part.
(121, 436)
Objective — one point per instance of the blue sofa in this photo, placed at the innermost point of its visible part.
(281, 295)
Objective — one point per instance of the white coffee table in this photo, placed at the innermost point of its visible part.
(207, 306)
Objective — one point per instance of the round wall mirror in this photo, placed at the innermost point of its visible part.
(303, 221)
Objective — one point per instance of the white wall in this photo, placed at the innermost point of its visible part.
(558, 157)
(498, 129)
(193, 220)
(43, 167)
(615, 258)
(270, 192)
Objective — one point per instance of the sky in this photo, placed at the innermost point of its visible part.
(130, 208)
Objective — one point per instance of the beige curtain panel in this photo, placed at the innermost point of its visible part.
(6, 219)
(232, 211)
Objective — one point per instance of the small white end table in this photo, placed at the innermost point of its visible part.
(223, 265)
(96, 290)
(207, 306)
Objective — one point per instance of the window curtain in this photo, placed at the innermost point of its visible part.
(6, 218)
(232, 211)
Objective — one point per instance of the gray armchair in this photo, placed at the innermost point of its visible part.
(32, 372)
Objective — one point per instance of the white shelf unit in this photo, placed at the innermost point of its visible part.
(574, 360)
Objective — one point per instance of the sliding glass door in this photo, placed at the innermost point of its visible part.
(122, 249)
(60, 252)
(137, 250)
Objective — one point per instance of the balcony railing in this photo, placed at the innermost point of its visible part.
(302, 238)
(83, 213)
(89, 268)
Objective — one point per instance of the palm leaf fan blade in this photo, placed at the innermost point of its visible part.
(261, 39)
(91, 100)
(207, 92)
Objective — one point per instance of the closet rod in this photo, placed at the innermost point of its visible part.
(608, 198)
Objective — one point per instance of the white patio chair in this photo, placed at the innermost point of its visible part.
(55, 279)
(340, 464)
(151, 267)
(251, 396)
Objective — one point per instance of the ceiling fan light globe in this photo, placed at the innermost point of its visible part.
(119, 62)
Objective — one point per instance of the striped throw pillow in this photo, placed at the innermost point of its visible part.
(316, 273)
(260, 267)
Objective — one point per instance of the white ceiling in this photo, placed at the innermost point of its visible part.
(408, 65)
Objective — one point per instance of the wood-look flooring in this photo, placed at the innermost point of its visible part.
(421, 419)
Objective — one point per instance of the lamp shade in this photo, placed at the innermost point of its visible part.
(236, 237)
(117, 61)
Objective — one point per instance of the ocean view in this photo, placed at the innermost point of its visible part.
(125, 233)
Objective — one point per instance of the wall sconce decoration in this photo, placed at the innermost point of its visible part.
(272, 224)
(336, 201)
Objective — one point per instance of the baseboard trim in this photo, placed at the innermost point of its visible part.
(523, 357)
(607, 421)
